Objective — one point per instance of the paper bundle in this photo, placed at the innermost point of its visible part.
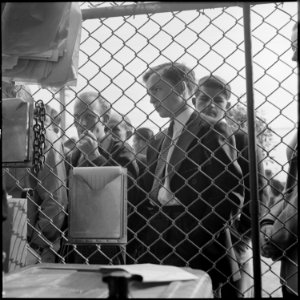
(40, 43)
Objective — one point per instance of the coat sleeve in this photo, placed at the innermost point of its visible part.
(226, 195)
(50, 197)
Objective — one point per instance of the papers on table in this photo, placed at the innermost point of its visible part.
(155, 273)
(40, 43)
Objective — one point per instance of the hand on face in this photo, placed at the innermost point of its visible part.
(88, 145)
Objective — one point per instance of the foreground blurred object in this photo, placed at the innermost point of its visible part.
(40, 43)
(44, 184)
(85, 281)
(17, 123)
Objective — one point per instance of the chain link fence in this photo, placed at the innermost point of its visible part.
(116, 49)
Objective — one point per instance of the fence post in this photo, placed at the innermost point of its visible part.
(252, 153)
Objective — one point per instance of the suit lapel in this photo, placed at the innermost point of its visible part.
(187, 135)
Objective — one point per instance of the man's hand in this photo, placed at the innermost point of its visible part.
(88, 145)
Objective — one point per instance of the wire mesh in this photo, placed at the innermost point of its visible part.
(115, 52)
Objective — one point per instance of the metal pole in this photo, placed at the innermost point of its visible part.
(252, 153)
(154, 7)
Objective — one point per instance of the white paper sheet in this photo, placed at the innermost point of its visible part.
(156, 273)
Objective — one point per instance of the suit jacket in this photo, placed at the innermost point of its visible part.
(206, 180)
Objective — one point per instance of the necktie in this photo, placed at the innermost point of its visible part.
(161, 163)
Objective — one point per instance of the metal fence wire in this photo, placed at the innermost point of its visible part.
(120, 41)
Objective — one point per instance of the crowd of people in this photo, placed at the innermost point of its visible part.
(188, 186)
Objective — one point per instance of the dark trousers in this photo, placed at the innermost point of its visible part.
(170, 239)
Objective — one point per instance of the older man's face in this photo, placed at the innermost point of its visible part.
(89, 117)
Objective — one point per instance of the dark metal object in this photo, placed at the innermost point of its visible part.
(39, 136)
(252, 153)
(118, 283)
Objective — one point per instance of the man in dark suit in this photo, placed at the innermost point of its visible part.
(96, 148)
(193, 181)
(212, 99)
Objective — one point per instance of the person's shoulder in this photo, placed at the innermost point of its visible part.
(215, 126)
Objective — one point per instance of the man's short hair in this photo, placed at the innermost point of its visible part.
(144, 133)
(214, 81)
(174, 73)
(91, 97)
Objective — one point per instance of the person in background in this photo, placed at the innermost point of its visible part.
(95, 148)
(212, 99)
(193, 180)
(141, 139)
(46, 207)
(119, 126)
(54, 119)
(279, 225)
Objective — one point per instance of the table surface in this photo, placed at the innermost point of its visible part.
(85, 281)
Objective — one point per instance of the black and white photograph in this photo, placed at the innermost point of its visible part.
(149, 149)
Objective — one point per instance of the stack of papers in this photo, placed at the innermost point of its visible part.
(154, 273)
(40, 43)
